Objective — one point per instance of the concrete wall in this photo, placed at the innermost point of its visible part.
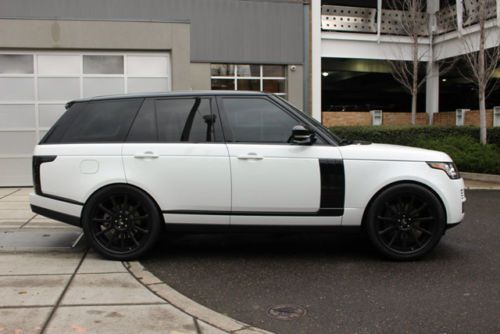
(234, 31)
(103, 35)
(363, 118)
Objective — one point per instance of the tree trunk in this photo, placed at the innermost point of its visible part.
(482, 116)
(414, 107)
(482, 76)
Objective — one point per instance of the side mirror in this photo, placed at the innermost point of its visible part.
(302, 136)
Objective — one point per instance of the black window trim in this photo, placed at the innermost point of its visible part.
(226, 128)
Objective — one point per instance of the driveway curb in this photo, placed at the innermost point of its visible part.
(189, 306)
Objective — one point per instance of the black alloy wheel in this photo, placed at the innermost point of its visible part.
(406, 221)
(121, 222)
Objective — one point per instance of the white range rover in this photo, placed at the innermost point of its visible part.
(125, 167)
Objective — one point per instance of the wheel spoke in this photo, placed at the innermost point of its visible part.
(141, 217)
(423, 230)
(392, 209)
(417, 211)
(114, 202)
(99, 220)
(110, 240)
(104, 231)
(404, 239)
(105, 209)
(140, 229)
(132, 236)
(394, 237)
(424, 219)
(387, 229)
(419, 244)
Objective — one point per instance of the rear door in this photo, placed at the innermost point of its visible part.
(274, 181)
(175, 151)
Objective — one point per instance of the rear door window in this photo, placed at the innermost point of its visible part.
(176, 120)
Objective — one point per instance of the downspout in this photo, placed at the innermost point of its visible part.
(305, 87)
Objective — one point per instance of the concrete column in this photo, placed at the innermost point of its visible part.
(432, 89)
(316, 59)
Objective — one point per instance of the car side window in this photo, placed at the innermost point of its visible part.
(185, 120)
(175, 120)
(257, 120)
(106, 121)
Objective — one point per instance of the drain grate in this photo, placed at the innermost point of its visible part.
(286, 312)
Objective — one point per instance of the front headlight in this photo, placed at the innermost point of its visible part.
(448, 167)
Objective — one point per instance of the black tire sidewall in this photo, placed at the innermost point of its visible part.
(380, 200)
(150, 206)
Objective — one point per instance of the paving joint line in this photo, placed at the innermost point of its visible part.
(29, 275)
(59, 300)
(197, 326)
(15, 191)
(29, 221)
(113, 304)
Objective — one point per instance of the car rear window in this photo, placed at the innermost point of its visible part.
(94, 122)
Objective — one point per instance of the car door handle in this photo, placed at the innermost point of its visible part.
(146, 155)
(250, 156)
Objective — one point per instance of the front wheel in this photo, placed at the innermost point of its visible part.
(405, 221)
(121, 222)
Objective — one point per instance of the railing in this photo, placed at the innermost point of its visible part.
(364, 20)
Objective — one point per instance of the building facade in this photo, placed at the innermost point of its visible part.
(53, 51)
(352, 41)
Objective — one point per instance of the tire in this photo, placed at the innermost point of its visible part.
(121, 222)
(405, 222)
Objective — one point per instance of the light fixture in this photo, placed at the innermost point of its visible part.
(443, 80)
(325, 74)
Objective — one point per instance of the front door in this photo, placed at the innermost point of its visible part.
(272, 180)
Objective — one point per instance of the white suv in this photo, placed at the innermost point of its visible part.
(122, 167)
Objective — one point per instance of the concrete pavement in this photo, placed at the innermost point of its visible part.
(51, 283)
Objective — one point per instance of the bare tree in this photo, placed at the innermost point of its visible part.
(481, 62)
(412, 23)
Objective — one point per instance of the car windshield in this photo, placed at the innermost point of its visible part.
(313, 120)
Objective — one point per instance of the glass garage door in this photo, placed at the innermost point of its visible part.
(34, 87)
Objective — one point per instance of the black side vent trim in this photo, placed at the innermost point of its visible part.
(332, 187)
(37, 161)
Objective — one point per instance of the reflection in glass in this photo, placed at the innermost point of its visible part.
(16, 64)
(223, 84)
(274, 86)
(102, 64)
(222, 70)
(273, 71)
(249, 84)
(249, 70)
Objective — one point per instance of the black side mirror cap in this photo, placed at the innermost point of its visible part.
(302, 136)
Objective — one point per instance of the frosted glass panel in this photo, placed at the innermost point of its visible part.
(58, 88)
(102, 64)
(17, 116)
(15, 172)
(17, 89)
(49, 113)
(12, 142)
(137, 85)
(148, 66)
(102, 86)
(16, 64)
(59, 65)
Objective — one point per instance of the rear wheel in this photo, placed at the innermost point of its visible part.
(406, 221)
(121, 222)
